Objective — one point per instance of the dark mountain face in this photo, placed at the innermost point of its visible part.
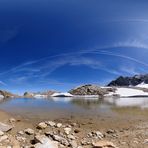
(126, 81)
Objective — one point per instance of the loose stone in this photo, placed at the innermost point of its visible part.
(29, 131)
(42, 125)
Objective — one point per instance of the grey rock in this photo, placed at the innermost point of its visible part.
(73, 144)
(3, 138)
(42, 125)
(12, 120)
(61, 140)
(21, 139)
(71, 137)
(44, 142)
(5, 127)
(29, 131)
(67, 130)
(20, 133)
(1, 133)
(50, 123)
(59, 125)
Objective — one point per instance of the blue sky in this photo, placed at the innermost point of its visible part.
(59, 44)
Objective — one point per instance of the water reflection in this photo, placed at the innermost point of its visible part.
(59, 106)
(141, 102)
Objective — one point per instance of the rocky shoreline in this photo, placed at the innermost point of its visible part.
(16, 132)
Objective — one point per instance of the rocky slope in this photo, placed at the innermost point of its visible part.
(39, 94)
(129, 81)
(6, 94)
(91, 90)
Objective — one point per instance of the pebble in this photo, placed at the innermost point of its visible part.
(42, 125)
(61, 140)
(21, 133)
(73, 144)
(103, 144)
(71, 137)
(77, 130)
(21, 139)
(50, 123)
(67, 130)
(12, 120)
(3, 138)
(59, 125)
(1, 133)
(29, 131)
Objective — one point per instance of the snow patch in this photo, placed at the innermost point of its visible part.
(128, 92)
(142, 85)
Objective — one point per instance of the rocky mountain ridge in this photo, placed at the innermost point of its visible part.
(6, 94)
(129, 81)
(90, 89)
(39, 94)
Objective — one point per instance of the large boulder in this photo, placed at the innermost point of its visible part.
(90, 90)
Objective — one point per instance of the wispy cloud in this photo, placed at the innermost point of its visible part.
(131, 43)
(41, 69)
(129, 70)
(2, 83)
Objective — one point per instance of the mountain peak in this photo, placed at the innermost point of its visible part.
(130, 81)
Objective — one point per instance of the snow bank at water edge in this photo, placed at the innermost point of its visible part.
(128, 92)
(62, 95)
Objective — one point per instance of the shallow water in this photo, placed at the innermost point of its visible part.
(65, 107)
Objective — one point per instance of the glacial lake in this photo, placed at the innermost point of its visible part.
(55, 108)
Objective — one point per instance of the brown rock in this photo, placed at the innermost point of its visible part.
(103, 144)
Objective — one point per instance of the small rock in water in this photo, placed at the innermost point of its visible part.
(12, 120)
(42, 125)
(67, 130)
(103, 144)
(50, 123)
(29, 131)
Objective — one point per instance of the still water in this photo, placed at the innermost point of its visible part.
(65, 107)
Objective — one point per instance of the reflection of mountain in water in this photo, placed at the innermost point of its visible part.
(86, 103)
(5, 100)
(141, 102)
